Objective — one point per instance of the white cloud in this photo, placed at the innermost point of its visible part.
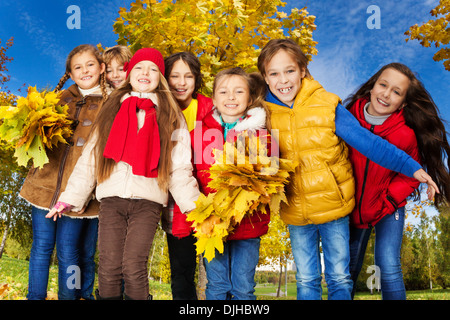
(349, 53)
(99, 17)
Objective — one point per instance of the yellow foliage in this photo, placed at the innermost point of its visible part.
(244, 188)
(222, 33)
(35, 124)
(435, 31)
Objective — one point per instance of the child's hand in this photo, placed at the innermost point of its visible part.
(58, 210)
(424, 177)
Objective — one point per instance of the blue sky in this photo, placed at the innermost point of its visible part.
(348, 51)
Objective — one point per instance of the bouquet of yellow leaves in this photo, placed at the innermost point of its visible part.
(35, 124)
(247, 181)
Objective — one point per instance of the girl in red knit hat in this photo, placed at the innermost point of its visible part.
(138, 152)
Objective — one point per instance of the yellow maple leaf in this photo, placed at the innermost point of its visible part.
(244, 188)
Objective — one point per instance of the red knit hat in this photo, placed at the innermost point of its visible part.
(149, 54)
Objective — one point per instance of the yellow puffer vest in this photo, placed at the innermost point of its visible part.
(322, 188)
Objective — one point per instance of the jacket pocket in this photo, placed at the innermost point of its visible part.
(335, 182)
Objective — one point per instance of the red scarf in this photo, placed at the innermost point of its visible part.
(140, 149)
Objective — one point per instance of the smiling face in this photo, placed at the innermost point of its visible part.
(85, 70)
(115, 74)
(388, 93)
(231, 97)
(145, 76)
(284, 77)
(182, 82)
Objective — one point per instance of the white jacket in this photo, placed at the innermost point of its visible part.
(124, 184)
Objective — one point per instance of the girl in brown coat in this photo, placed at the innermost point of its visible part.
(75, 234)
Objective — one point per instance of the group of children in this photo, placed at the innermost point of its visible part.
(130, 158)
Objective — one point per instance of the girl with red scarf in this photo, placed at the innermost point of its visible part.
(394, 105)
(139, 152)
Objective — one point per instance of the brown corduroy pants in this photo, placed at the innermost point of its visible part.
(126, 231)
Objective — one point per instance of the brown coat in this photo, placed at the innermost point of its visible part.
(42, 187)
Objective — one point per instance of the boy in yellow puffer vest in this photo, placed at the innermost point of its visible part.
(313, 129)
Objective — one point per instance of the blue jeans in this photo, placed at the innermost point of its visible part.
(388, 243)
(335, 245)
(231, 275)
(76, 241)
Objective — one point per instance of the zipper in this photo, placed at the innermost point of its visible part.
(392, 201)
(62, 165)
(366, 171)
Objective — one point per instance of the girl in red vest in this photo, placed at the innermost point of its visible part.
(139, 152)
(394, 105)
(183, 73)
(238, 107)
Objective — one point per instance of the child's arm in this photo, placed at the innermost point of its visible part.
(182, 185)
(379, 150)
(373, 146)
(80, 185)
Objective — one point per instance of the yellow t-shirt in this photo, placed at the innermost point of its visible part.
(190, 114)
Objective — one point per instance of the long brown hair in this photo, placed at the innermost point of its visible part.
(168, 117)
(422, 115)
(79, 49)
(194, 65)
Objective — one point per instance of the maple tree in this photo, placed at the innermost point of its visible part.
(222, 33)
(14, 220)
(435, 31)
(275, 245)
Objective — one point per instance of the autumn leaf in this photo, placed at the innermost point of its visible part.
(3, 288)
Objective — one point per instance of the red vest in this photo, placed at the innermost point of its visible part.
(180, 227)
(251, 226)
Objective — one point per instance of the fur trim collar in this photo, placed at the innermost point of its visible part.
(255, 119)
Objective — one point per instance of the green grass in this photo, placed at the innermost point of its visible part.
(14, 282)
(14, 279)
(268, 292)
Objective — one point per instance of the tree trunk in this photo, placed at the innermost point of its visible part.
(279, 279)
(201, 283)
(5, 235)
